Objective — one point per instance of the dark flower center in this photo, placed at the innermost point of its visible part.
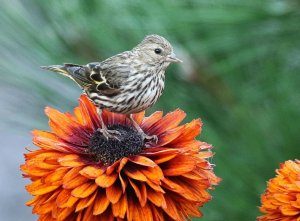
(109, 151)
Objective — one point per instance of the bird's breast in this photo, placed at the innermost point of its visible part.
(138, 93)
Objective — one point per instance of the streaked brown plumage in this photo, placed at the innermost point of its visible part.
(126, 83)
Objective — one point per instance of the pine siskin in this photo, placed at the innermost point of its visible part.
(126, 83)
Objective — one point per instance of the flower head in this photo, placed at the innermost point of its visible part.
(77, 174)
(281, 200)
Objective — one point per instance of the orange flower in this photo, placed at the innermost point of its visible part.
(281, 200)
(78, 175)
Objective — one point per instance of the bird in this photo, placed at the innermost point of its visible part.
(126, 83)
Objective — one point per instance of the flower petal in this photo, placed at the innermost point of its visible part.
(144, 161)
(134, 173)
(124, 182)
(288, 210)
(71, 160)
(141, 197)
(120, 207)
(56, 176)
(152, 119)
(170, 135)
(139, 117)
(39, 188)
(191, 130)
(101, 203)
(84, 190)
(92, 172)
(155, 174)
(171, 208)
(157, 198)
(65, 199)
(122, 164)
(170, 121)
(105, 180)
(66, 128)
(85, 202)
(179, 165)
(114, 192)
(89, 113)
(73, 179)
(49, 141)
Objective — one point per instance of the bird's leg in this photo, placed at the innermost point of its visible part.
(113, 134)
(140, 130)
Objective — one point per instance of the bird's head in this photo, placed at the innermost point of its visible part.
(155, 49)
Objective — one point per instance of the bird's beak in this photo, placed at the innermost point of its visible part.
(172, 58)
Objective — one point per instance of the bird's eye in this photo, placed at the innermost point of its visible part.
(157, 50)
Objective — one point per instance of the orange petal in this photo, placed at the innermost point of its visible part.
(179, 165)
(170, 121)
(152, 119)
(39, 188)
(139, 117)
(288, 210)
(161, 158)
(155, 186)
(169, 184)
(124, 182)
(171, 208)
(50, 141)
(78, 116)
(154, 174)
(122, 164)
(157, 198)
(114, 192)
(190, 144)
(284, 198)
(142, 198)
(73, 179)
(120, 207)
(56, 176)
(101, 203)
(170, 135)
(34, 171)
(89, 113)
(107, 216)
(105, 180)
(91, 172)
(143, 189)
(194, 175)
(66, 128)
(64, 213)
(70, 160)
(144, 161)
(110, 169)
(86, 202)
(157, 212)
(134, 173)
(65, 199)
(191, 209)
(145, 212)
(84, 190)
(191, 130)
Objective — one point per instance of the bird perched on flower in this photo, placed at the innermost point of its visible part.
(126, 83)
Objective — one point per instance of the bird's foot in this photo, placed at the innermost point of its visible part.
(149, 139)
(109, 134)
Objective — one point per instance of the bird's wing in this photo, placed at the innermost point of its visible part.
(111, 74)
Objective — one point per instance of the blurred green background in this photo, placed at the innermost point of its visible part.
(241, 76)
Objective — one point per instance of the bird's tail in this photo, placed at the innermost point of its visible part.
(61, 69)
(77, 73)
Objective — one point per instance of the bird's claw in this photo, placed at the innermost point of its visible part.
(109, 134)
(152, 139)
